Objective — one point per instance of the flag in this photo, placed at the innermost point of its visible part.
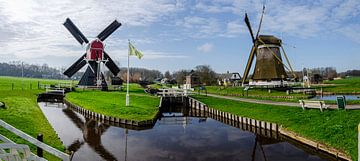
(134, 51)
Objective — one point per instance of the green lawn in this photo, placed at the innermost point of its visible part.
(142, 106)
(348, 85)
(23, 112)
(332, 127)
(254, 93)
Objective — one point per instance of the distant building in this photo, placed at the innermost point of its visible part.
(164, 81)
(193, 80)
(232, 79)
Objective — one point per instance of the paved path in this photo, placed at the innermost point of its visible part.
(269, 102)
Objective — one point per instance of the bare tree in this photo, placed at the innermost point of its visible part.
(206, 74)
(168, 75)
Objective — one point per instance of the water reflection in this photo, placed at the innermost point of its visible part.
(92, 131)
(178, 135)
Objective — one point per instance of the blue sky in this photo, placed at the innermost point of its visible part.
(177, 34)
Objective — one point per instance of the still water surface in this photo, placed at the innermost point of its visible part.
(172, 138)
(333, 97)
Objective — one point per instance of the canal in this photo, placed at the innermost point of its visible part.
(177, 135)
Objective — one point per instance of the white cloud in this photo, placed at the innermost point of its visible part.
(295, 18)
(349, 31)
(33, 29)
(200, 27)
(233, 29)
(205, 48)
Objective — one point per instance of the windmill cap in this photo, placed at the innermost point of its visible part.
(269, 39)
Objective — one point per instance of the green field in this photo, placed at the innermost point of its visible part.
(142, 106)
(332, 127)
(23, 112)
(255, 93)
(348, 85)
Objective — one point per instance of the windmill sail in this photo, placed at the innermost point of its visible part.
(75, 67)
(110, 64)
(75, 31)
(109, 30)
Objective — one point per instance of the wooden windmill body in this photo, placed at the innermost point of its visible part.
(269, 66)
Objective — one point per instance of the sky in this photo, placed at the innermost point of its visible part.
(181, 34)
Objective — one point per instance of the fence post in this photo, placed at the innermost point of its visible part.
(39, 150)
(38, 84)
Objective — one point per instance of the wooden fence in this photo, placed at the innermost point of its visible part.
(63, 156)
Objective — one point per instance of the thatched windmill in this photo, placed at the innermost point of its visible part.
(269, 67)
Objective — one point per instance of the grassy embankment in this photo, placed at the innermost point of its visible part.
(332, 127)
(254, 93)
(348, 85)
(23, 112)
(142, 106)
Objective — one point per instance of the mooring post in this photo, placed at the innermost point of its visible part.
(322, 94)
(277, 131)
(265, 128)
(39, 150)
(271, 129)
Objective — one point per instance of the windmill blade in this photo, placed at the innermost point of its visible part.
(262, 15)
(109, 30)
(76, 66)
(111, 64)
(248, 65)
(249, 27)
(75, 31)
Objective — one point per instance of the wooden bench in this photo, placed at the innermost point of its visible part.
(313, 104)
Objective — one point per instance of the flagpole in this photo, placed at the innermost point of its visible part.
(128, 77)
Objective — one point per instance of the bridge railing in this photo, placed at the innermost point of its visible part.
(63, 156)
(173, 92)
(58, 90)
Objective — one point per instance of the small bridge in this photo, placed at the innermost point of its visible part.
(54, 93)
(174, 92)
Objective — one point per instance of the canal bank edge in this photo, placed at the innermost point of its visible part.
(101, 117)
(194, 103)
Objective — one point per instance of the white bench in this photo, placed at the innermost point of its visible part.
(313, 104)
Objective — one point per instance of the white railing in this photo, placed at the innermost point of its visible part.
(58, 90)
(49, 149)
(173, 92)
(66, 85)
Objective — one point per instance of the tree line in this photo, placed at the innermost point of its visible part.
(18, 69)
(206, 74)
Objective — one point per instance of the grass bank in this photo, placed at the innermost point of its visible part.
(255, 93)
(347, 85)
(142, 106)
(23, 112)
(332, 127)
